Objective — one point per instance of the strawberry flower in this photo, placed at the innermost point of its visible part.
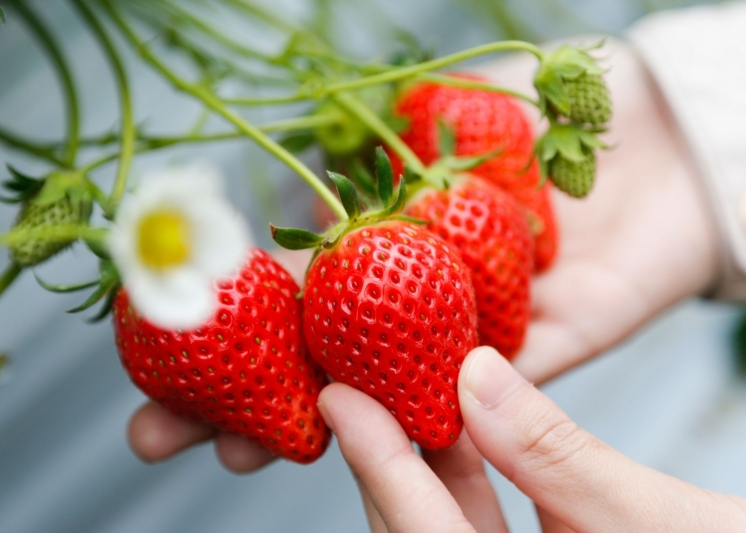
(171, 239)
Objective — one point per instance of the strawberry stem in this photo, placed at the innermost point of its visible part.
(374, 122)
(128, 131)
(54, 51)
(435, 64)
(213, 102)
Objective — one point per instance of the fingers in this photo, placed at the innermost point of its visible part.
(156, 434)
(576, 478)
(408, 495)
(550, 524)
(239, 455)
(461, 469)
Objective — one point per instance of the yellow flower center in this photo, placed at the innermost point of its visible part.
(164, 239)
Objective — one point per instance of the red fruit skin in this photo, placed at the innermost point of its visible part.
(391, 311)
(538, 203)
(246, 371)
(490, 231)
(482, 121)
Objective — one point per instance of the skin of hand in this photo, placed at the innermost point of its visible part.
(640, 242)
(579, 483)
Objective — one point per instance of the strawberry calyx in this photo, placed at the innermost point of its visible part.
(391, 203)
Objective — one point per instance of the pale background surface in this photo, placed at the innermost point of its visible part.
(668, 398)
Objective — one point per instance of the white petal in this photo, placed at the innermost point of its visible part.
(221, 238)
(182, 299)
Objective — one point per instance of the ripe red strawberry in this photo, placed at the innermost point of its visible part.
(482, 121)
(390, 310)
(490, 230)
(246, 371)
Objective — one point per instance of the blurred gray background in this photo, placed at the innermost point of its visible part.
(668, 398)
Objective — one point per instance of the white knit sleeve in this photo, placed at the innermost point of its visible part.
(698, 58)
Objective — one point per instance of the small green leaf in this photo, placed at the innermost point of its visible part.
(65, 288)
(96, 296)
(362, 178)
(401, 201)
(347, 193)
(385, 176)
(446, 138)
(469, 163)
(297, 143)
(106, 307)
(295, 239)
(96, 242)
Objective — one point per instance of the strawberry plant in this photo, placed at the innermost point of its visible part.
(425, 259)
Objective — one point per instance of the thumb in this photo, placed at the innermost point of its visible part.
(563, 469)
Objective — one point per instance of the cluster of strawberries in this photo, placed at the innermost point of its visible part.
(393, 300)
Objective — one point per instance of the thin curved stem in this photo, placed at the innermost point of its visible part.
(54, 51)
(45, 152)
(466, 83)
(374, 122)
(213, 102)
(128, 131)
(407, 72)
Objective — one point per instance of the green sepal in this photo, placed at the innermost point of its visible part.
(413, 220)
(2, 15)
(106, 307)
(471, 162)
(21, 186)
(295, 239)
(397, 206)
(384, 176)
(362, 177)
(565, 63)
(347, 193)
(568, 141)
(65, 288)
(297, 143)
(446, 138)
(95, 240)
(109, 281)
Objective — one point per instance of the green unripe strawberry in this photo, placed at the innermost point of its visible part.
(590, 102)
(345, 135)
(34, 216)
(573, 177)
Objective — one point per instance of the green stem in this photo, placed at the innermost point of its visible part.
(52, 48)
(207, 30)
(289, 99)
(43, 152)
(435, 64)
(128, 131)
(9, 276)
(265, 16)
(214, 103)
(466, 83)
(374, 122)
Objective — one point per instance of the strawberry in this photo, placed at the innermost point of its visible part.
(481, 121)
(245, 371)
(490, 230)
(390, 310)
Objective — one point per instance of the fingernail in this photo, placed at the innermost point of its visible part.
(489, 377)
(325, 415)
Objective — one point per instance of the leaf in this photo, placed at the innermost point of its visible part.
(401, 201)
(385, 176)
(65, 288)
(347, 193)
(295, 239)
(362, 178)
(297, 143)
(109, 280)
(106, 308)
(469, 163)
(446, 138)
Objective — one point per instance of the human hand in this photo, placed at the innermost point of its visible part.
(641, 241)
(577, 482)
